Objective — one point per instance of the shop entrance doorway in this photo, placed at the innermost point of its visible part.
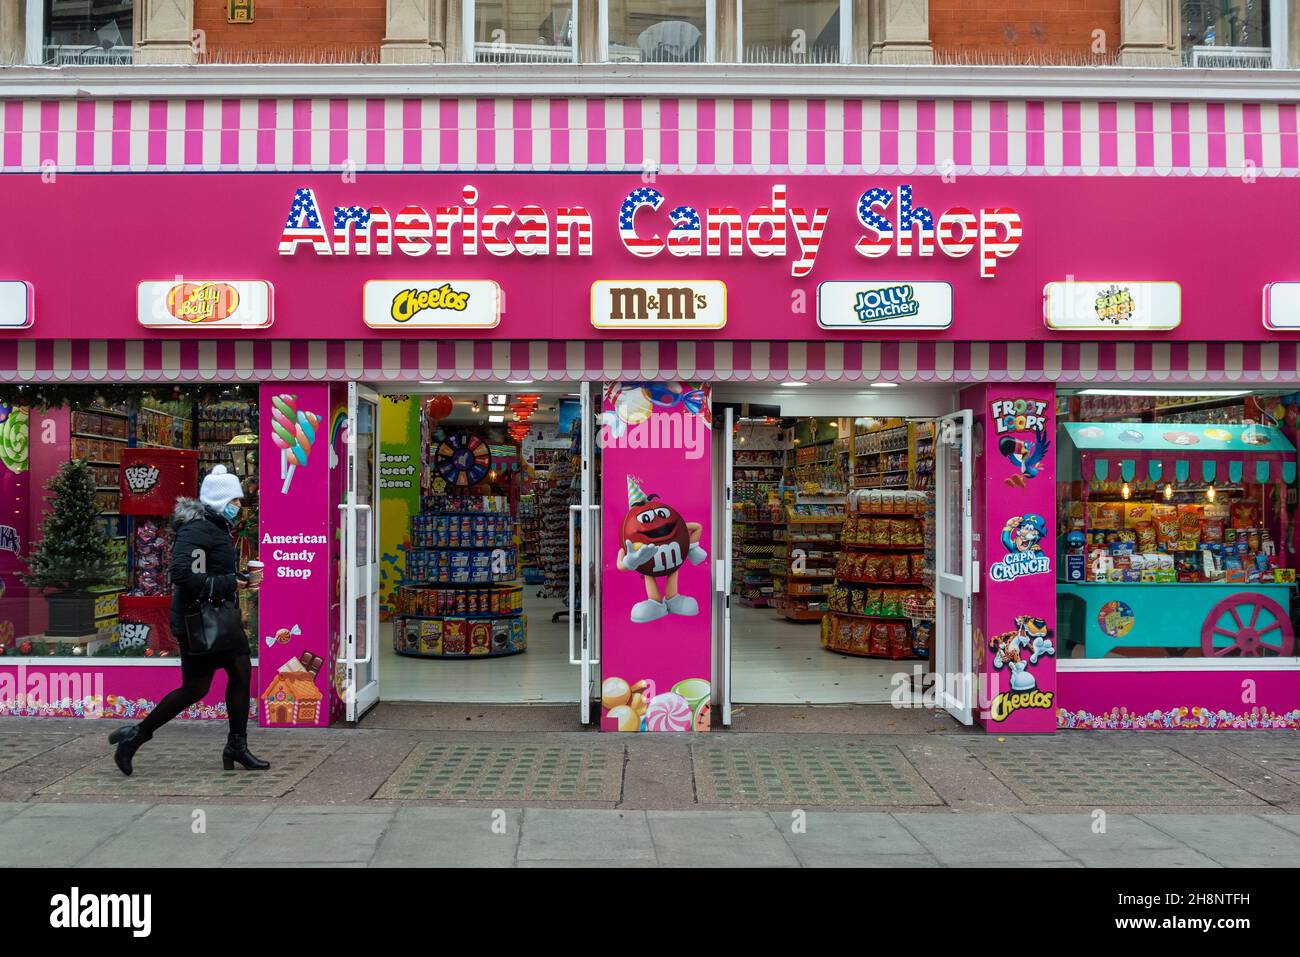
(467, 530)
(838, 507)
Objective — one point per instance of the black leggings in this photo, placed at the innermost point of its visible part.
(196, 679)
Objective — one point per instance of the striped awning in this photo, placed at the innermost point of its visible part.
(1159, 363)
(1201, 468)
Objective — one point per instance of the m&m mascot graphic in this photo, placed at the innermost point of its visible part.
(657, 541)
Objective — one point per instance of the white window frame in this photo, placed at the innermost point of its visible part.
(846, 30)
(467, 25)
(35, 32)
(1277, 33)
(710, 32)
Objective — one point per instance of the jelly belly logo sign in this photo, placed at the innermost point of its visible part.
(15, 304)
(1112, 306)
(648, 224)
(431, 304)
(204, 305)
(656, 588)
(884, 305)
(636, 304)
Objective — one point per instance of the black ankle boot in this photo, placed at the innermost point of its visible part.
(237, 750)
(128, 740)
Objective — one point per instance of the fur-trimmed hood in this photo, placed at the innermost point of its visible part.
(187, 510)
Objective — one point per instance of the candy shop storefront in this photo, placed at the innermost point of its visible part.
(1114, 413)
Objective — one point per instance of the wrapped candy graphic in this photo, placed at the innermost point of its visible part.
(293, 432)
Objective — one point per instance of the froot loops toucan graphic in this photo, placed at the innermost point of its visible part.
(1025, 454)
(657, 541)
(1010, 647)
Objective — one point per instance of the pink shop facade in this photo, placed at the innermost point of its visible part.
(1100, 293)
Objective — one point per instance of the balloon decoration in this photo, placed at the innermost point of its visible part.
(439, 407)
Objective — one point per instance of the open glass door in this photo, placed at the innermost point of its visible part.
(584, 562)
(360, 554)
(722, 566)
(955, 577)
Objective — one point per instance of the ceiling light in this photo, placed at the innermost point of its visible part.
(884, 385)
(496, 398)
(520, 381)
(496, 418)
(1168, 393)
(794, 385)
(430, 382)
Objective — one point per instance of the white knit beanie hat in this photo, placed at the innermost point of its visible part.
(219, 488)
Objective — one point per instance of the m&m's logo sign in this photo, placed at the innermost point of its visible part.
(202, 302)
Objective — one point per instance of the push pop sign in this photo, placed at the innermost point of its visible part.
(648, 224)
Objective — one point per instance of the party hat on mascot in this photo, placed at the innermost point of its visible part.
(635, 496)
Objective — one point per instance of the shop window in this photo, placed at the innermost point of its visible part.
(88, 32)
(1177, 525)
(129, 454)
(789, 31)
(524, 31)
(1227, 33)
(657, 31)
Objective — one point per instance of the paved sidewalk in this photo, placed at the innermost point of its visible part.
(144, 835)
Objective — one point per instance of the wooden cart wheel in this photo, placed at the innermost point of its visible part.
(1255, 625)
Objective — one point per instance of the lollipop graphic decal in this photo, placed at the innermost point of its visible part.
(293, 432)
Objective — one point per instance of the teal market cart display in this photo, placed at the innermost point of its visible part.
(1218, 591)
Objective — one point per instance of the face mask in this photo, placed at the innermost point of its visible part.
(231, 511)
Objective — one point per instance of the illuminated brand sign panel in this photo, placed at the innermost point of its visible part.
(1114, 306)
(887, 304)
(662, 304)
(15, 304)
(1282, 305)
(431, 304)
(204, 304)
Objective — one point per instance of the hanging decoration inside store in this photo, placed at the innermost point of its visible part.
(462, 459)
(774, 229)
(439, 407)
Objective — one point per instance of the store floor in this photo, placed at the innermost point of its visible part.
(541, 675)
(777, 661)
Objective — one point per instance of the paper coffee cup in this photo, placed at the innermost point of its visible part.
(255, 566)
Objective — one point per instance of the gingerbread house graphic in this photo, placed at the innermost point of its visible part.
(292, 696)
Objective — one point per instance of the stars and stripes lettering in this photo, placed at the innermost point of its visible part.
(765, 231)
(571, 222)
(303, 225)
(684, 237)
(1000, 233)
(351, 222)
(915, 225)
(882, 230)
(720, 217)
(808, 229)
(635, 200)
(956, 232)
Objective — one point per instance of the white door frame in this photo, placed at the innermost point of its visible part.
(360, 581)
(723, 569)
(584, 561)
(953, 664)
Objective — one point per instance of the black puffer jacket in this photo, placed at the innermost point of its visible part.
(199, 530)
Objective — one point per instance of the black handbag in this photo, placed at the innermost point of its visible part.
(213, 624)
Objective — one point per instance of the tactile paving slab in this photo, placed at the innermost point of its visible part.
(1148, 777)
(180, 769)
(507, 772)
(17, 748)
(1277, 757)
(807, 776)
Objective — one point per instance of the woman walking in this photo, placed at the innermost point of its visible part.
(204, 568)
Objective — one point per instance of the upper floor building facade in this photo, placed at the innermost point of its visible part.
(1227, 34)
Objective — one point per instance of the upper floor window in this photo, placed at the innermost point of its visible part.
(1227, 33)
(87, 31)
(658, 31)
(524, 31)
(789, 31)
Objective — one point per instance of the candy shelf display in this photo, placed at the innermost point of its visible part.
(461, 596)
(805, 568)
(756, 516)
(880, 604)
(880, 455)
